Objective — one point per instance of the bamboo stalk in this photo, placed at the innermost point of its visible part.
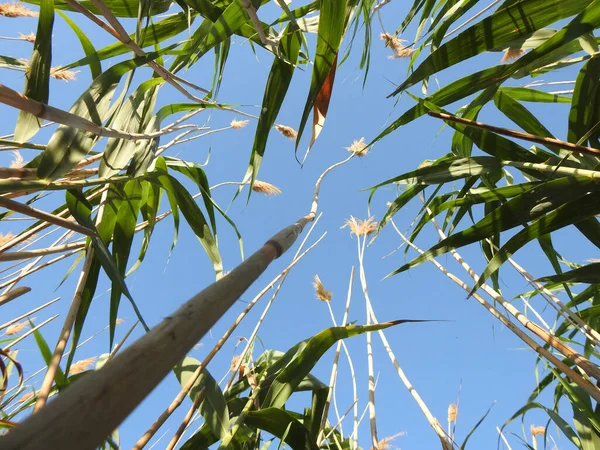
(583, 327)
(333, 376)
(582, 382)
(142, 441)
(27, 234)
(92, 408)
(12, 294)
(433, 422)
(518, 134)
(29, 266)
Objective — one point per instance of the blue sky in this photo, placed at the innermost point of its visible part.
(470, 352)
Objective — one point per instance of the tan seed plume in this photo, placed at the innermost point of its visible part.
(16, 10)
(82, 365)
(385, 443)
(26, 397)
(361, 227)
(322, 293)
(263, 187)
(397, 46)
(27, 37)
(18, 161)
(511, 54)
(17, 327)
(4, 238)
(358, 147)
(288, 132)
(63, 74)
(452, 413)
(237, 124)
(537, 431)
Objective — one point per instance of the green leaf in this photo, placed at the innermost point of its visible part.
(191, 212)
(124, 230)
(213, 407)
(134, 116)
(91, 54)
(155, 34)
(276, 89)
(68, 146)
(552, 196)
(570, 213)
(284, 426)
(519, 20)
(288, 379)
(331, 30)
(454, 169)
(583, 109)
(210, 34)
(590, 273)
(81, 210)
(59, 377)
(120, 8)
(37, 79)
(559, 421)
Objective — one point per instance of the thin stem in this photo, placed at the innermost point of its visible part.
(585, 384)
(13, 256)
(33, 311)
(42, 215)
(12, 294)
(24, 335)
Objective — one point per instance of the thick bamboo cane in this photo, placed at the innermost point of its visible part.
(86, 413)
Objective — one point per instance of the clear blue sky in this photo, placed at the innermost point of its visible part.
(470, 349)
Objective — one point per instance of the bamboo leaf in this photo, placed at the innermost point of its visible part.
(120, 8)
(91, 54)
(329, 38)
(192, 213)
(590, 273)
(68, 146)
(505, 25)
(37, 80)
(583, 110)
(552, 196)
(124, 230)
(284, 426)
(213, 407)
(276, 89)
(134, 116)
(288, 379)
(570, 213)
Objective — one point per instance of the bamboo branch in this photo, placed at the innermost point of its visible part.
(51, 218)
(12, 294)
(43, 111)
(14, 256)
(518, 134)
